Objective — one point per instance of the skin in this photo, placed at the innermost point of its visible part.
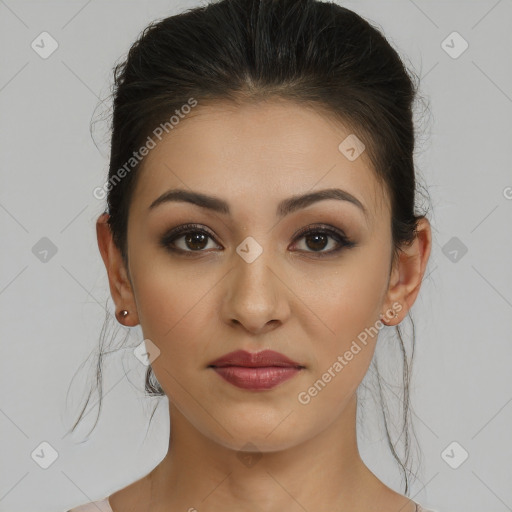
(289, 300)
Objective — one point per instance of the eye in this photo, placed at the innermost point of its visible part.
(193, 238)
(187, 239)
(317, 239)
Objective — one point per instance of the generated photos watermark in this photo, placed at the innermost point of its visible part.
(158, 132)
(304, 397)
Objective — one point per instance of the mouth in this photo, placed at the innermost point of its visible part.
(255, 371)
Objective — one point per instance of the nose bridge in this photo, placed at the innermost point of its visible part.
(253, 268)
(255, 295)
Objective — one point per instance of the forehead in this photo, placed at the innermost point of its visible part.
(256, 154)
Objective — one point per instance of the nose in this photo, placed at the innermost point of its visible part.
(256, 297)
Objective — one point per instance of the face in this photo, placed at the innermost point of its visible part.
(246, 277)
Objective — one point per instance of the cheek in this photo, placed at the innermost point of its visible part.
(176, 319)
(176, 305)
(348, 303)
(348, 298)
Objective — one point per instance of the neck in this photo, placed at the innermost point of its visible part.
(325, 471)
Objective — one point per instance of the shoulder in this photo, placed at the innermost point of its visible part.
(95, 506)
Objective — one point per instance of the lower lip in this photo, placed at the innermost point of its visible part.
(265, 377)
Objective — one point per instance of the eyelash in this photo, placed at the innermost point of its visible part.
(186, 229)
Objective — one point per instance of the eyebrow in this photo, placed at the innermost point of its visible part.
(284, 208)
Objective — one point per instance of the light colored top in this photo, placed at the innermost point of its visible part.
(95, 506)
(104, 506)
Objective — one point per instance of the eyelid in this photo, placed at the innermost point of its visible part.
(319, 227)
(185, 228)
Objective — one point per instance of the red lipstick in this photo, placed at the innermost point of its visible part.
(255, 371)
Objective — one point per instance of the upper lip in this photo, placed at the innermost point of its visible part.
(255, 360)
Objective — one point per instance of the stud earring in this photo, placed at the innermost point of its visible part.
(124, 313)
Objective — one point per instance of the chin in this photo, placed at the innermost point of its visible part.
(259, 433)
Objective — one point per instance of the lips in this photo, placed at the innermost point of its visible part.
(254, 360)
(255, 371)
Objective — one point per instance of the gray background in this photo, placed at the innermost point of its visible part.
(52, 311)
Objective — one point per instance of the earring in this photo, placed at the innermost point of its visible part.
(123, 313)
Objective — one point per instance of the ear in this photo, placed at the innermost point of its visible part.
(407, 273)
(120, 285)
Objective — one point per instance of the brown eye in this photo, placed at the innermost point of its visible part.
(195, 241)
(317, 239)
(187, 239)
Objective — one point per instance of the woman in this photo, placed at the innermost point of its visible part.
(261, 229)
